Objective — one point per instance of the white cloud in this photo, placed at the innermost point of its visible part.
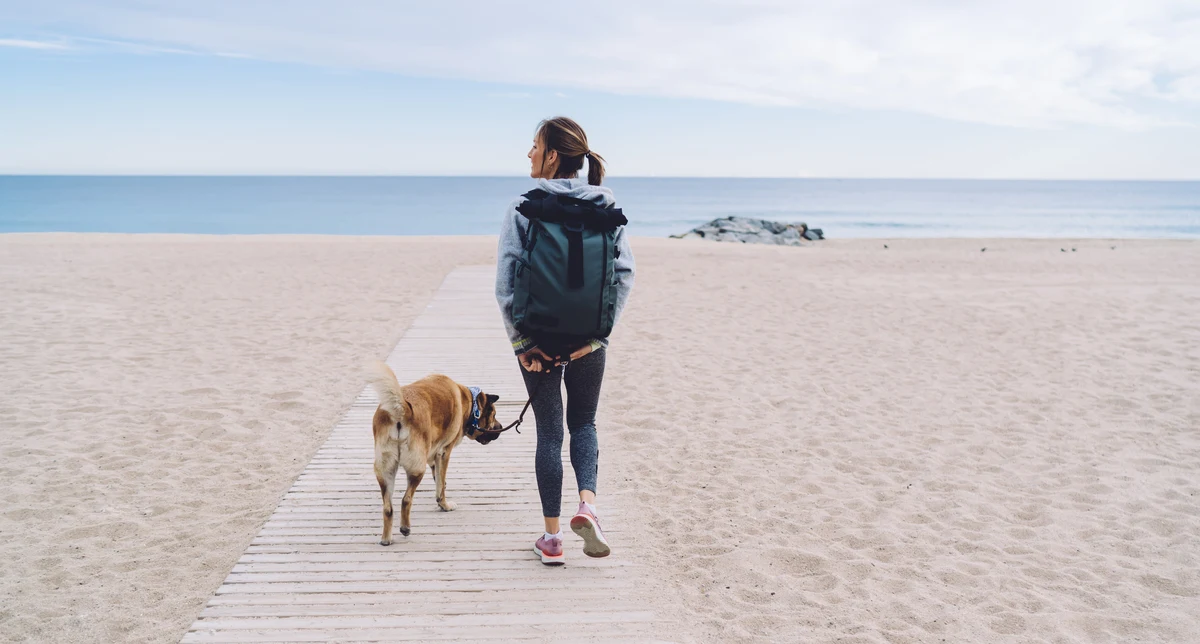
(29, 44)
(1029, 63)
(141, 48)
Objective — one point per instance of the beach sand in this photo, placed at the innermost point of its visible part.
(839, 443)
(160, 394)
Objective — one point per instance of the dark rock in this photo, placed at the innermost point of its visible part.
(753, 231)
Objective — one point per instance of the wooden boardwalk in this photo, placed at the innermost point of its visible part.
(316, 572)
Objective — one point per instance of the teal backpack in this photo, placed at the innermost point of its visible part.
(565, 290)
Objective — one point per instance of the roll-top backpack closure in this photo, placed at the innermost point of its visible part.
(559, 209)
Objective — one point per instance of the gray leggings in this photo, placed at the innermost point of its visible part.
(583, 379)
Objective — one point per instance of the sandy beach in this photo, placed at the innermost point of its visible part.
(840, 443)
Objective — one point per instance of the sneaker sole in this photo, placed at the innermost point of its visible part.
(550, 560)
(593, 543)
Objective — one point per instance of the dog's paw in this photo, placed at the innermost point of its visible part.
(384, 542)
(447, 506)
(404, 531)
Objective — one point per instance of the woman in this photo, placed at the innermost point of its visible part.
(560, 148)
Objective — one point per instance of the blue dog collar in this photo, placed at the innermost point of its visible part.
(476, 412)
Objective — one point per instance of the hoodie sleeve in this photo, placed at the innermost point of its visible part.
(623, 271)
(512, 240)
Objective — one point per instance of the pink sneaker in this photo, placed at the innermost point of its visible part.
(550, 550)
(587, 526)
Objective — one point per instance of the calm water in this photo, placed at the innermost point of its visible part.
(655, 207)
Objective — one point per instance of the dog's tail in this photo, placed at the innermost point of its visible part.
(387, 387)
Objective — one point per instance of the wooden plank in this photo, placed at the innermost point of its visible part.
(315, 571)
(427, 602)
(547, 582)
(359, 534)
(450, 604)
(374, 548)
(460, 525)
(374, 565)
(384, 557)
(446, 523)
(414, 540)
(401, 573)
(423, 621)
(606, 634)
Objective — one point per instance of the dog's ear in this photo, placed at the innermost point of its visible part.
(492, 398)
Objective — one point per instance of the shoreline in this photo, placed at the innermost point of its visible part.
(452, 238)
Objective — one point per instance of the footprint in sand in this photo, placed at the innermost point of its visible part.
(199, 414)
(1168, 586)
(1008, 624)
(203, 391)
(286, 405)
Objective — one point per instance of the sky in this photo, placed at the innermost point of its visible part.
(1047, 89)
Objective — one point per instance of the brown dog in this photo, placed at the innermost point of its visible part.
(418, 425)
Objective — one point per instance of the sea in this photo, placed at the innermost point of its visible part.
(656, 207)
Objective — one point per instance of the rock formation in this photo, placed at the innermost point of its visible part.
(753, 231)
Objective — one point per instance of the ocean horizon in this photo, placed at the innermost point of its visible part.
(658, 207)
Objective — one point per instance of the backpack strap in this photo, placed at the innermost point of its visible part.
(574, 255)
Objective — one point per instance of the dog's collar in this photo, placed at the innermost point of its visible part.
(476, 412)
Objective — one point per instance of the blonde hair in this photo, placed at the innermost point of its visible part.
(565, 137)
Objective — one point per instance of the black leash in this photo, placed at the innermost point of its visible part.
(516, 424)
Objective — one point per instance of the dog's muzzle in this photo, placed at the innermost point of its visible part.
(483, 436)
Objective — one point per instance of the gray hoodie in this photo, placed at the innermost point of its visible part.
(513, 233)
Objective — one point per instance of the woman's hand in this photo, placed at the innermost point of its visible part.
(581, 351)
(535, 360)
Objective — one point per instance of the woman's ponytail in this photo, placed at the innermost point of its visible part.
(595, 168)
